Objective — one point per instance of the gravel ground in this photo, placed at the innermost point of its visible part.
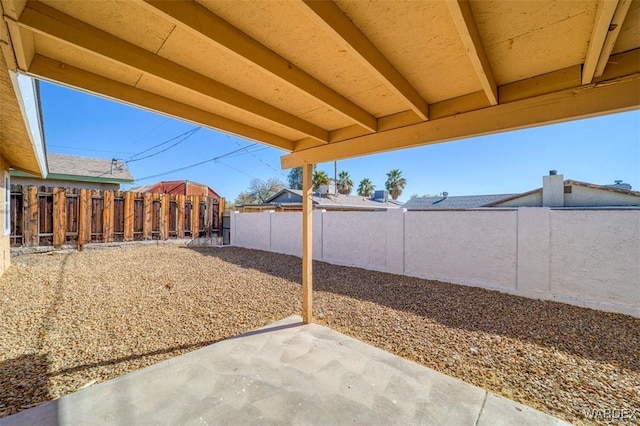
(70, 320)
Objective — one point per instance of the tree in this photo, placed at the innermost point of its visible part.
(395, 183)
(344, 184)
(294, 178)
(366, 188)
(259, 191)
(320, 178)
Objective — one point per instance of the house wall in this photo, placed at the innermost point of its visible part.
(18, 180)
(588, 258)
(529, 200)
(5, 253)
(585, 196)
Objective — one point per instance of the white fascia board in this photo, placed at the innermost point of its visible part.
(29, 101)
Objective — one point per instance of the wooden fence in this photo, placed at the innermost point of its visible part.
(43, 215)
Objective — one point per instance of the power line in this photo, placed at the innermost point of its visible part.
(186, 135)
(260, 160)
(165, 121)
(236, 169)
(209, 160)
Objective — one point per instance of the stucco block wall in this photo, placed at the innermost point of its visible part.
(587, 258)
(595, 256)
(5, 243)
(472, 248)
(364, 245)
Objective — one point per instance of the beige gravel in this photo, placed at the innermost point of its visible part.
(70, 320)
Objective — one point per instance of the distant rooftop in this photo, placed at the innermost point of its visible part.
(84, 169)
(453, 202)
(338, 201)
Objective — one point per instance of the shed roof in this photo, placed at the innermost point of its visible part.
(174, 187)
(325, 80)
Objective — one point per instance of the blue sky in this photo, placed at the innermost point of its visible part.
(598, 150)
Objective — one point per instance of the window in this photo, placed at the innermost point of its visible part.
(7, 204)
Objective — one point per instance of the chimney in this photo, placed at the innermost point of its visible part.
(553, 190)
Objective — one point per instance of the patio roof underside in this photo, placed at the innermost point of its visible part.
(332, 80)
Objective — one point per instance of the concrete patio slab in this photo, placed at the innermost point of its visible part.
(285, 373)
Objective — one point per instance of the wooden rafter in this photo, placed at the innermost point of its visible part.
(611, 96)
(204, 23)
(470, 37)
(610, 40)
(601, 27)
(332, 19)
(52, 23)
(48, 69)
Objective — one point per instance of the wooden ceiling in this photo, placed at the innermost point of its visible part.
(331, 80)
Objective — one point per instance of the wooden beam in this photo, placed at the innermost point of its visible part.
(199, 20)
(612, 35)
(108, 215)
(462, 16)
(58, 72)
(147, 208)
(329, 16)
(129, 202)
(195, 216)
(59, 217)
(307, 243)
(31, 237)
(541, 84)
(180, 215)
(571, 104)
(165, 200)
(604, 15)
(52, 23)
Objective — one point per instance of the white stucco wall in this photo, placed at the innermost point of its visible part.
(355, 239)
(587, 258)
(472, 248)
(251, 230)
(595, 257)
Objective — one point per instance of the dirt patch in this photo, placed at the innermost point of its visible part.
(74, 319)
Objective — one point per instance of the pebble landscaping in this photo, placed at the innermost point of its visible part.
(71, 319)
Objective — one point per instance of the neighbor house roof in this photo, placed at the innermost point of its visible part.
(567, 182)
(340, 201)
(454, 202)
(495, 200)
(84, 169)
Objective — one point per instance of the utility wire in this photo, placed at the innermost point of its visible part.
(259, 159)
(209, 160)
(184, 136)
(165, 121)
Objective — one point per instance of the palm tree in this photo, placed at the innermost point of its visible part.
(395, 183)
(345, 184)
(320, 178)
(366, 188)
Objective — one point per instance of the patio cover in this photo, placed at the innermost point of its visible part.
(337, 79)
